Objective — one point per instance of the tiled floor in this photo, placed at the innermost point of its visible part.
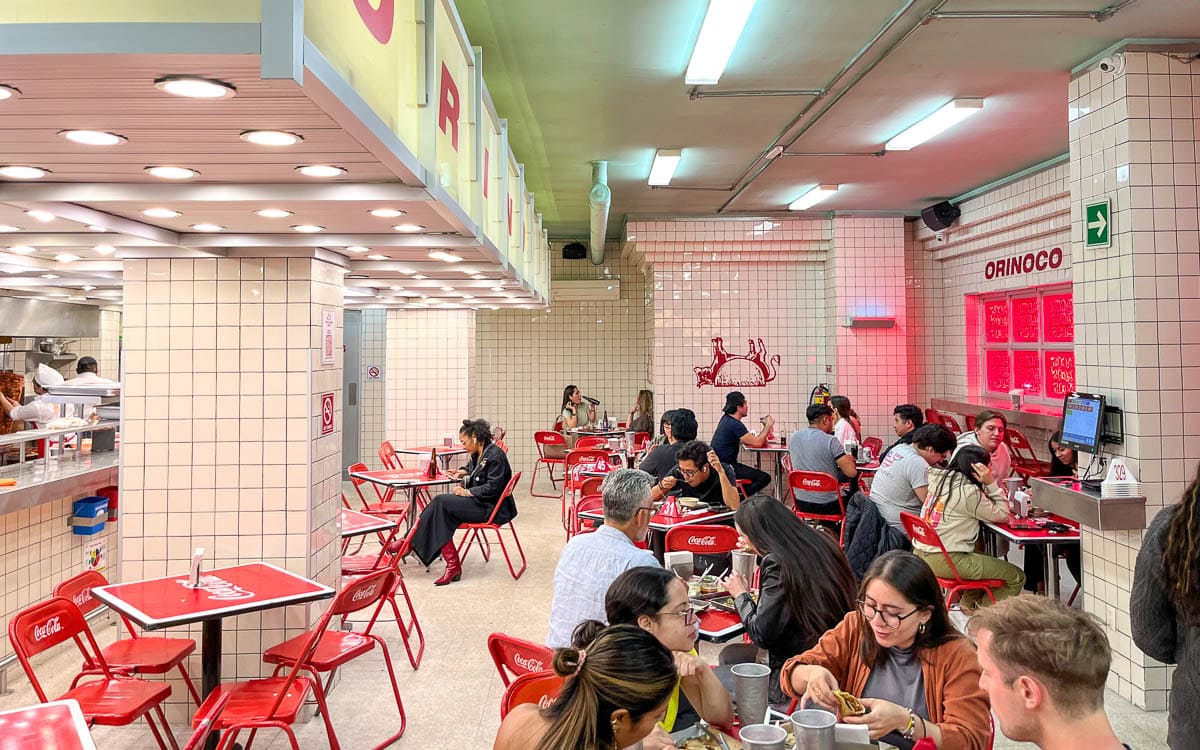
(453, 700)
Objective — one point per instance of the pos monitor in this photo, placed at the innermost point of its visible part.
(1083, 421)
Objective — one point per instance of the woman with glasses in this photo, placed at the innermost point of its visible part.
(656, 600)
(898, 653)
(805, 586)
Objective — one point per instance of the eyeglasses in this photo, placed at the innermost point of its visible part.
(689, 473)
(688, 614)
(890, 619)
(645, 507)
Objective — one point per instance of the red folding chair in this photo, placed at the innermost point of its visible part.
(205, 728)
(875, 444)
(383, 504)
(591, 486)
(388, 456)
(702, 539)
(572, 484)
(476, 533)
(136, 654)
(389, 559)
(514, 657)
(530, 688)
(541, 439)
(919, 531)
(1024, 461)
(818, 481)
(933, 416)
(111, 699)
(591, 443)
(335, 648)
(970, 421)
(950, 423)
(586, 503)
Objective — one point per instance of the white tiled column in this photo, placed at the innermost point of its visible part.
(221, 443)
(1137, 308)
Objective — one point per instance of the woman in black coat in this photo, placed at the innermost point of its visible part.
(484, 479)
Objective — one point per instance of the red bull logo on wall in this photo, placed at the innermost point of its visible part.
(754, 369)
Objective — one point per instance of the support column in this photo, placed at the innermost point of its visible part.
(221, 441)
(1137, 310)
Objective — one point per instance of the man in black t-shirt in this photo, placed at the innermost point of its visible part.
(731, 434)
(700, 474)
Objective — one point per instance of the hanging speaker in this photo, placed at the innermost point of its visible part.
(940, 215)
(574, 251)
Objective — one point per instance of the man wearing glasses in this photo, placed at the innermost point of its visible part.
(702, 475)
(590, 562)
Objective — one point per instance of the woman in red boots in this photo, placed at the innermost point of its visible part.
(484, 479)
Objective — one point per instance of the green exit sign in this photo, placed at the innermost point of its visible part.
(1098, 224)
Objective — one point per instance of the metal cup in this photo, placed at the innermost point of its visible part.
(814, 729)
(762, 737)
(751, 684)
(744, 564)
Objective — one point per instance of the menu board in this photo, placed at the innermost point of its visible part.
(1025, 319)
(999, 370)
(1060, 373)
(1058, 312)
(995, 321)
(1027, 372)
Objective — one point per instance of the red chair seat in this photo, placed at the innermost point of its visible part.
(150, 655)
(335, 648)
(972, 583)
(388, 508)
(358, 564)
(117, 702)
(251, 701)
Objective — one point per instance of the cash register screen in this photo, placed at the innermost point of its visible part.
(1083, 415)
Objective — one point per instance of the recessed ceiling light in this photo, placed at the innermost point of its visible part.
(161, 213)
(205, 227)
(96, 228)
(66, 258)
(445, 257)
(497, 289)
(479, 277)
(22, 249)
(357, 249)
(377, 257)
(93, 137)
(356, 276)
(271, 138)
(18, 172)
(40, 215)
(49, 276)
(8, 92)
(420, 276)
(409, 228)
(386, 213)
(273, 213)
(308, 228)
(104, 249)
(172, 173)
(9, 228)
(195, 87)
(87, 287)
(447, 289)
(320, 170)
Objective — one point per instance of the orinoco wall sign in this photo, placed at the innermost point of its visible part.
(1017, 265)
(326, 413)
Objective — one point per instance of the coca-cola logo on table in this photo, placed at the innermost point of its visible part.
(47, 629)
(529, 663)
(220, 589)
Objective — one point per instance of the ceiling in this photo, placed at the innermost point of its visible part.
(94, 197)
(586, 81)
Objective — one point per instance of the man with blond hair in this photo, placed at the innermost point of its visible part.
(1044, 666)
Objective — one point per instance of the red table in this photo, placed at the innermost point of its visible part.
(717, 625)
(1042, 538)
(57, 724)
(406, 479)
(777, 449)
(357, 523)
(661, 524)
(223, 592)
(444, 452)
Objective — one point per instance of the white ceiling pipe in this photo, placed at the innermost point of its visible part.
(600, 200)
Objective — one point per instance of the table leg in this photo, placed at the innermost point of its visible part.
(210, 665)
(1051, 574)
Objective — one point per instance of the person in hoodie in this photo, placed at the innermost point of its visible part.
(957, 499)
(989, 434)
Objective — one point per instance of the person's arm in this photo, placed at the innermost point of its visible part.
(664, 487)
(846, 465)
(729, 493)
(570, 417)
(493, 476)
(518, 730)
(702, 688)
(6, 404)
(757, 439)
(1152, 615)
(768, 620)
(832, 654)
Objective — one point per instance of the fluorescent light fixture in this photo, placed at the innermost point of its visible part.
(172, 173)
(19, 172)
(93, 137)
(271, 137)
(308, 228)
(66, 257)
(49, 276)
(880, 321)
(947, 116)
(160, 213)
(87, 287)
(204, 227)
(273, 213)
(320, 170)
(386, 213)
(719, 34)
(666, 160)
(40, 215)
(195, 87)
(8, 92)
(444, 256)
(9, 228)
(812, 197)
(22, 249)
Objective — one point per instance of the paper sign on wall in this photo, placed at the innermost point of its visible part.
(374, 372)
(328, 331)
(95, 555)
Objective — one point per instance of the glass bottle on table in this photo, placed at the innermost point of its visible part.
(431, 471)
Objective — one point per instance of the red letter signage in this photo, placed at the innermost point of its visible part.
(379, 21)
(448, 106)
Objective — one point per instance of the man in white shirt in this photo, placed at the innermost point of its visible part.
(86, 373)
(590, 562)
(37, 411)
(902, 485)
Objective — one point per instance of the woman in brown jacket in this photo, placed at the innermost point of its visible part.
(916, 676)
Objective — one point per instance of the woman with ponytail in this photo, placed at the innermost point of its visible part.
(1164, 607)
(615, 692)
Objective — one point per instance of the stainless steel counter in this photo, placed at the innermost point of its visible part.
(1089, 509)
(1036, 416)
(42, 481)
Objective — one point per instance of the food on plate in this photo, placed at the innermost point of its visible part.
(848, 704)
(699, 743)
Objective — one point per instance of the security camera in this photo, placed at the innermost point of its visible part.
(1114, 64)
(939, 237)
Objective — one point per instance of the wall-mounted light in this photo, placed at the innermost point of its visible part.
(858, 321)
(666, 160)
